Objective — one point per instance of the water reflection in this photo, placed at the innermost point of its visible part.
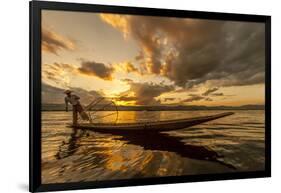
(72, 155)
(68, 148)
(149, 141)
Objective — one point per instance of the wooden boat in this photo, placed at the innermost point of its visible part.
(156, 126)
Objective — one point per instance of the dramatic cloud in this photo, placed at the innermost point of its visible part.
(130, 67)
(144, 93)
(206, 96)
(55, 95)
(196, 51)
(212, 92)
(209, 91)
(217, 94)
(62, 74)
(127, 98)
(169, 99)
(127, 67)
(100, 70)
(127, 80)
(53, 42)
(58, 73)
(195, 97)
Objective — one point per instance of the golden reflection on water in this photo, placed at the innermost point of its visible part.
(234, 143)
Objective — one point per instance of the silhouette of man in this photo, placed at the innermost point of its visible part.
(76, 106)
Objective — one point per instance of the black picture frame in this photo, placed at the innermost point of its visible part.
(35, 184)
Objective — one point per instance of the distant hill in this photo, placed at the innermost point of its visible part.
(61, 107)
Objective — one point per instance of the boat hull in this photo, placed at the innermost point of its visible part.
(156, 126)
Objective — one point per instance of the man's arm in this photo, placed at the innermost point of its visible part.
(66, 104)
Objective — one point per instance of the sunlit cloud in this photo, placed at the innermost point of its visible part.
(62, 73)
(92, 68)
(209, 91)
(126, 67)
(117, 21)
(218, 94)
(169, 99)
(192, 52)
(58, 73)
(130, 67)
(155, 60)
(193, 98)
(53, 42)
(144, 93)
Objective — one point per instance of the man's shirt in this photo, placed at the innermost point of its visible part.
(72, 99)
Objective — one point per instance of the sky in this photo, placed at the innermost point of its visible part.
(145, 60)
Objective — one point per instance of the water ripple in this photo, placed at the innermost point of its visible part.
(230, 144)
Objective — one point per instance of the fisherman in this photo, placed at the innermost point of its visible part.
(76, 106)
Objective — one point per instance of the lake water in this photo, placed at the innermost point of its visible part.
(230, 144)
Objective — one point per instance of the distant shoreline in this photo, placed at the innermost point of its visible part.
(61, 107)
(172, 110)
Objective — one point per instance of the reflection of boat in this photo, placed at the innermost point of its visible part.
(165, 142)
(155, 141)
(165, 125)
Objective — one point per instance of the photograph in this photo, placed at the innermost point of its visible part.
(127, 96)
